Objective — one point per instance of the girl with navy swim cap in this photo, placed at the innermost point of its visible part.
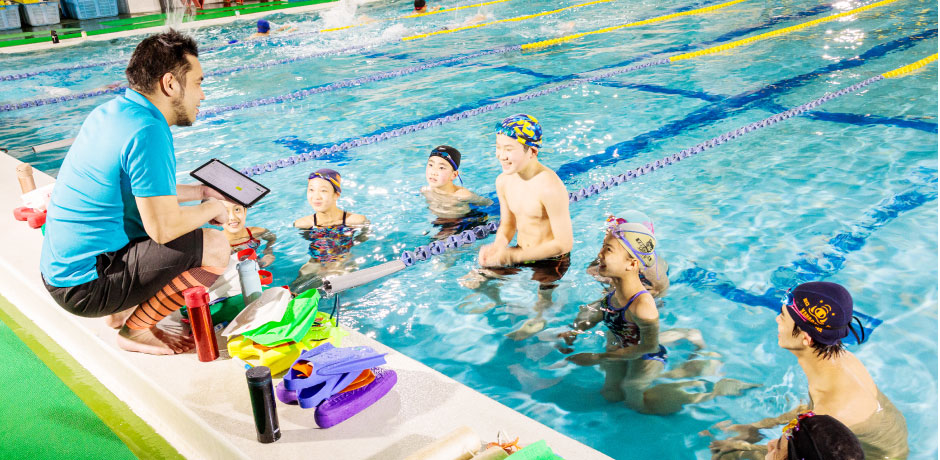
(332, 231)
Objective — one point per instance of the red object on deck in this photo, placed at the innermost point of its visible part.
(34, 218)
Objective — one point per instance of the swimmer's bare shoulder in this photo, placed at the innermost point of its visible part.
(304, 222)
(463, 194)
(356, 220)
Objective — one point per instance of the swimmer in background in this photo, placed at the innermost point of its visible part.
(450, 202)
(242, 237)
(533, 209)
(422, 7)
(264, 29)
(634, 356)
(331, 230)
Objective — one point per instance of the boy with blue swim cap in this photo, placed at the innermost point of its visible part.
(533, 208)
(264, 29)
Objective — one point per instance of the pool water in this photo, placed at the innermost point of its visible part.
(845, 193)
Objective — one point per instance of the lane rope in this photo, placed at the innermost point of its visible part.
(358, 142)
(555, 41)
(501, 21)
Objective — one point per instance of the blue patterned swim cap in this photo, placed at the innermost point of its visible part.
(523, 128)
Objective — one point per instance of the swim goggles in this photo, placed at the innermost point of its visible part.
(791, 304)
(613, 227)
(443, 154)
(332, 180)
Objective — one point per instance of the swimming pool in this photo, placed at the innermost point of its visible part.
(846, 193)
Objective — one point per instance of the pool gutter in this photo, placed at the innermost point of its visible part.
(202, 409)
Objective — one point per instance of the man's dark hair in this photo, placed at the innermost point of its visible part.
(157, 55)
(419, 4)
(822, 350)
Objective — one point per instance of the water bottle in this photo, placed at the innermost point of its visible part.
(249, 280)
(200, 320)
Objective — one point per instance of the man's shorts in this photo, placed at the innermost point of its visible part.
(129, 276)
(545, 271)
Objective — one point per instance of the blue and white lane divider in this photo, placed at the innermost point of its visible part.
(91, 65)
(343, 146)
(480, 232)
(298, 95)
(120, 87)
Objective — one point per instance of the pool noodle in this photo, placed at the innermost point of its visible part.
(341, 283)
(456, 445)
(493, 453)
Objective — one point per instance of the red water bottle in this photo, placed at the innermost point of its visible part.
(200, 320)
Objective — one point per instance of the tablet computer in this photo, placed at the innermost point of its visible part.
(231, 183)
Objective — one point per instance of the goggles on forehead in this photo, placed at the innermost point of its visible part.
(613, 227)
(446, 156)
(332, 180)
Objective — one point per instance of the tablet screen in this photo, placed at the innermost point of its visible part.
(229, 182)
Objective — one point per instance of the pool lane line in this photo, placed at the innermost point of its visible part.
(414, 15)
(397, 132)
(736, 103)
(555, 41)
(139, 437)
(469, 237)
(808, 268)
(629, 149)
(480, 232)
(501, 21)
(777, 33)
(379, 76)
(900, 72)
(115, 88)
(263, 101)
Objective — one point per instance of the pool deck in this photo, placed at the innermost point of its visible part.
(182, 26)
(202, 409)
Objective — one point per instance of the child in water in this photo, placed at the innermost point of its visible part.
(450, 202)
(331, 230)
(634, 357)
(242, 237)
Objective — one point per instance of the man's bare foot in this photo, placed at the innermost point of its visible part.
(153, 341)
(116, 320)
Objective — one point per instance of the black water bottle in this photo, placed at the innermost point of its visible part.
(261, 392)
(55, 37)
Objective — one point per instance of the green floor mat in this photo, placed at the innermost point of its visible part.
(43, 418)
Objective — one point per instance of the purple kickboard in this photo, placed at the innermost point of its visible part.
(340, 407)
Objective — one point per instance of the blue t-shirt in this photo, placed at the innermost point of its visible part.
(123, 150)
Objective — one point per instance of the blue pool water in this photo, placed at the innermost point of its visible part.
(847, 192)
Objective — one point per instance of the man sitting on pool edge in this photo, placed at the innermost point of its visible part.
(117, 241)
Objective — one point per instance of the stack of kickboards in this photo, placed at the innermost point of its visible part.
(336, 382)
